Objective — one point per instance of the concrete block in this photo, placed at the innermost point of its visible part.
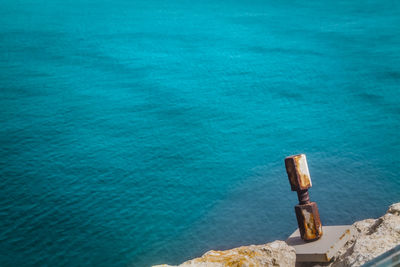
(323, 249)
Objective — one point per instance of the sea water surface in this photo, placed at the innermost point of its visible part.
(135, 133)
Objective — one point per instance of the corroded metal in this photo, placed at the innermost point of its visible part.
(298, 173)
(306, 212)
(308, 220)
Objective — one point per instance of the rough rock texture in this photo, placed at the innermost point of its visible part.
(277, 253)
(373, 238)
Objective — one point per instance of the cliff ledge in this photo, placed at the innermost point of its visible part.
(373, 238)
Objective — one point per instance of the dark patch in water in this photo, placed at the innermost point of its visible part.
(291, 94)
(395, 75)
(281, 50)
(372, 98)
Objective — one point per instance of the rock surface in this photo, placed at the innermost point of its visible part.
(277, 253)
(373, 238)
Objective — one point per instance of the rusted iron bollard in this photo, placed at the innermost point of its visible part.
(306, 212)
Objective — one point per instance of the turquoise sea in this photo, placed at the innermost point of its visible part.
(135, 133)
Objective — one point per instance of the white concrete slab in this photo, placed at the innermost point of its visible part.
(322, 250)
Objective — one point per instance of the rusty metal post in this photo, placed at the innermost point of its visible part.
(306, 212)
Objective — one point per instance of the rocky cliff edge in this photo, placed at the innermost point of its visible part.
(373, 238)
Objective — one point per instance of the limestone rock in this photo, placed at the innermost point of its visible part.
(373, 238)
(277, 253)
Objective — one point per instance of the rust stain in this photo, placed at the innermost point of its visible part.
(309, 226)
(291, 171)
(347, 232)
(327, 258)
(304, 181)
(303, 178)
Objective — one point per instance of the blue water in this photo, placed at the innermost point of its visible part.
(143, 132)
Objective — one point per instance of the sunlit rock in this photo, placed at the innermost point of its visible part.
(277, 253)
